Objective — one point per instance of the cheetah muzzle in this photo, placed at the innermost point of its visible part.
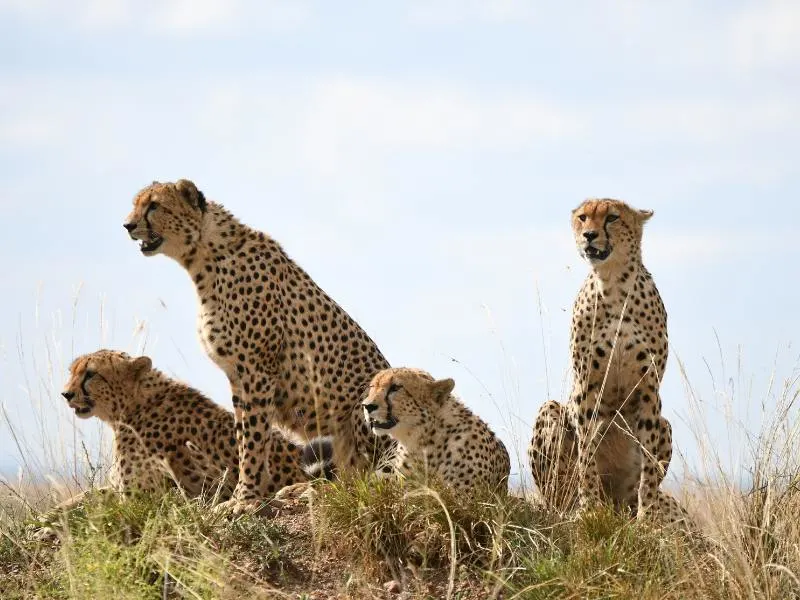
(379, 427)
(596, 254)
(84, 405)
(152, 244)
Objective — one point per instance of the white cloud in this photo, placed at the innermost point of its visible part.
(30, 130)
(767, 34)
(163, 17)
(186, 16)
(715, 120)
(450, 12)
(349, 129)
(365, 116)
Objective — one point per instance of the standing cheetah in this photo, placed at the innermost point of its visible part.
(435, 430)
(619, 352)
(292, 355)
(166, 432)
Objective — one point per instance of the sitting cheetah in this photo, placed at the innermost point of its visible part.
(619, 351)
(166, 432)
(553, 458)
(435, 430)
(294, 358)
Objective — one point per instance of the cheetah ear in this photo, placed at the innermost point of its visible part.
(644, 215)
(442, 388)
(191, 194)
(140, 365)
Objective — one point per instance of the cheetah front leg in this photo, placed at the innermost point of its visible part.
(253, 398)
(649, 435)
(135, 469)
(663, 456)
(664, 453)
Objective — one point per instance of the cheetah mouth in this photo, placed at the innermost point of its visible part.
(83, 409)
(595, 254)
(149, 246)
(384, 425)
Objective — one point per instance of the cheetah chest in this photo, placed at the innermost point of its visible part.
(617, 348)
(220, 332)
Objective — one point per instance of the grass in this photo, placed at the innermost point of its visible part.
(355, 536)
(142, 547)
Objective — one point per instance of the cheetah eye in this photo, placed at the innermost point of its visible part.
(582, 218)
(611, 218)
(151, 207)
(394, 388)
(87, 376)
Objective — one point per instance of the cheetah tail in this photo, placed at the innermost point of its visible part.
(317, 460)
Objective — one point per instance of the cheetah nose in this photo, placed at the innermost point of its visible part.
(590, 235)
(370, 407)
(68, 395)
(129, 226)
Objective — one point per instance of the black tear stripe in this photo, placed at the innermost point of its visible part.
(147, 221)
(389, 416)
(84, 381)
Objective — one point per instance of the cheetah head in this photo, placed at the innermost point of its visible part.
(607, 230)
(99, 381)
(400, 400)
(167, 218)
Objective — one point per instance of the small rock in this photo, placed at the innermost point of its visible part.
(393, 587)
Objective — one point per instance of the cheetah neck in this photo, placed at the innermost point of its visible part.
(149, 391)
(426, 433)
(221, 236)
(421, 435)
(616, 278)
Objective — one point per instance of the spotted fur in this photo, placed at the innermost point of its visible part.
(166, 432)
(293, 356)
(553, 456)
(435, 430)
(611, 428)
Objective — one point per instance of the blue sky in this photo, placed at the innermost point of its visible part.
(420, 160)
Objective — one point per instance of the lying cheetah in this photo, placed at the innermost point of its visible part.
(435, 430)
(292, 355)
(167, 433)
(619, 352)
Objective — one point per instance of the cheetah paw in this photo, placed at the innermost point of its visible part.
(235, 507)
(294, 493)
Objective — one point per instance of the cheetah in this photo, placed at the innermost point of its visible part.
(166, 432)
(435, 430)
(294, 358)
(612, 421)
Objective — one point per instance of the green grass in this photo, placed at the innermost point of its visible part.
(357, 534)
(140, 547)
